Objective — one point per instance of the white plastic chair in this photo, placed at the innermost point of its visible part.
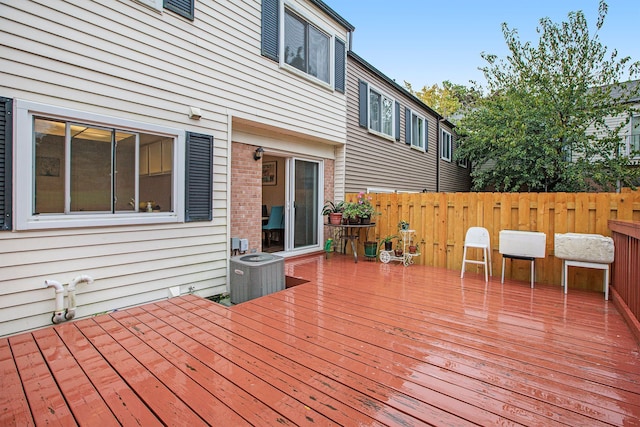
(478, 237)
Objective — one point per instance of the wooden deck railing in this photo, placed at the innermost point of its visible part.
(625, 274)
(441, 220)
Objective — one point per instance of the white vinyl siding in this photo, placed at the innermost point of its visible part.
(125, 61)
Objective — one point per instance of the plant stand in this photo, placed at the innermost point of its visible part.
(406, 258)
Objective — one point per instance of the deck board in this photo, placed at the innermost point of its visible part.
(358, 344)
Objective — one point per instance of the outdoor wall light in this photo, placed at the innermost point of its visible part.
(257, 155)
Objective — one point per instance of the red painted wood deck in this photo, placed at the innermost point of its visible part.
(360, 344)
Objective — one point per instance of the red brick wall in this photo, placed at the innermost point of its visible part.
(329, 174)
(246, 195)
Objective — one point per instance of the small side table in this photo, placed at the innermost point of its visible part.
(566, 263)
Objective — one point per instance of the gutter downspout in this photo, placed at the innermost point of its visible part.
(71, 310)
(58, 315)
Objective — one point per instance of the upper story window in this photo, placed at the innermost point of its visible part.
(416, 132)
(633, 140)
(380, 112)
(82, 169)
(306, 47)
(303, 46)
(446, 145)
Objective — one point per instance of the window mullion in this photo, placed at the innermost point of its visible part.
(67, 168)
(307, 42)
(114, 169)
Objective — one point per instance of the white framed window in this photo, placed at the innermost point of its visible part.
(82, 169)
(418, 131)
(381, 113)
(154, 4)
(633, 140)
(446, 145)
(306, 47)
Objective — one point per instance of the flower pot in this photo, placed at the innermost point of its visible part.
(398, 252)
(365, 220)
(388, 246)
(335, 218)
(413, 249)
(370, 249)
(405, 226)
(354, 220)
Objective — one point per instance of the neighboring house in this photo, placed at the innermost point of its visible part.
(627, 93)
(395, 142)
(631, 132)
(128, 131)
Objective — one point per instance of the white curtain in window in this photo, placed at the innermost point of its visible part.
(387, 116)
(318, 55)
(375, 101)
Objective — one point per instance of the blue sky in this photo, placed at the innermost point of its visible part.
(426, 42)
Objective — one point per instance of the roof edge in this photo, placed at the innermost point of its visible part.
(326, 9)
(395, 84)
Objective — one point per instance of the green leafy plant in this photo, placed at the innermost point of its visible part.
(333, 207)
(387, 239)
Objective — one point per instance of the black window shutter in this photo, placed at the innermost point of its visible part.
(270, 29)
(407, 126)
(363, 88)
(340, 72)
(6, 142)
(199, 177)
(397, 121)
(426, 135)
(181, 7)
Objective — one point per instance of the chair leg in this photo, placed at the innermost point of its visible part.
(490, 263)
(464, 258)
(502, 281)
(486, 272)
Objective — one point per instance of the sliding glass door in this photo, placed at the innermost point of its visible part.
(304, 203)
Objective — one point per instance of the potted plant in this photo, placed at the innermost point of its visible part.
(365, 209)
(398, 251)
(403, 225)
(370, 249)
(334, 211)
(387, 242)
(351, 212)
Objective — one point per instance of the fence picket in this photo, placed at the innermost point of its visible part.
(441, 220)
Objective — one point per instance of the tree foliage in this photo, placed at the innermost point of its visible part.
(543, 125)
(449, 99)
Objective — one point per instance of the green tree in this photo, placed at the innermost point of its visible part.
(448, 100)
(543, 125)
(441, 99)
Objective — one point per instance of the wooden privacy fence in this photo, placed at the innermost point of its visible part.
(442, 219)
